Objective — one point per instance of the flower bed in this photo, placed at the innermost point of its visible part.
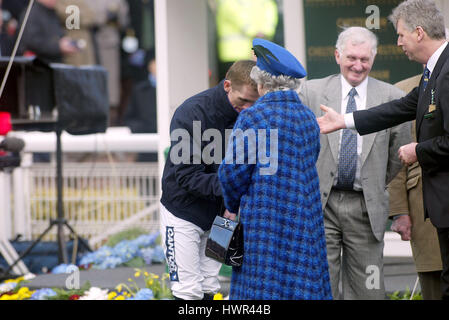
(136, 251)
(155, 289)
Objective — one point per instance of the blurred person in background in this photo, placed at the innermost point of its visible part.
(138, 40)
(112, 19)
(7, 29)
(14, 7)
(141, 114)
(238, 23)
(82, 34)
(44, 35)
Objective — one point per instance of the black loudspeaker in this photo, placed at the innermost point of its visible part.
(40, 96)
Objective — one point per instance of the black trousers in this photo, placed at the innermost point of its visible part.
(443, 237)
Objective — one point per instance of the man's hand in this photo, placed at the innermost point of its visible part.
(66, 46)
(331, 121)
(403, 226)
(407, 154)
(229, 215)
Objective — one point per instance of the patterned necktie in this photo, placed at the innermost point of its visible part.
(425, 78)
(347, 162)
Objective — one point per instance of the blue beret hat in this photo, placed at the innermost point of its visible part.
(276, 60)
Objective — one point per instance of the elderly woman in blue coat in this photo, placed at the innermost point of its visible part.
(269, 177)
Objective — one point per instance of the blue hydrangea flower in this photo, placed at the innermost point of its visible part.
(147, 255)
(109, 263)
(143, 294)
(146, 240)
(126, 250)
(158, 255)
(43, 294)
(63, 268)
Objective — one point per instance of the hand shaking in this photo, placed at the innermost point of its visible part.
(331, 120)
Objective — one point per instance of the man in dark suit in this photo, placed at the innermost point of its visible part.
(421, 34)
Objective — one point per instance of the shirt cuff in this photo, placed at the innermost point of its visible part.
(397, 216)
(349, 121)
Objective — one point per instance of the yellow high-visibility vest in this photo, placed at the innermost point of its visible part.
(239, 22)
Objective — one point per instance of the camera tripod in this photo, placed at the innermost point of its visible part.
(60, 222)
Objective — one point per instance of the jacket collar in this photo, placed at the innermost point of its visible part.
(279, 96)
(425, 97)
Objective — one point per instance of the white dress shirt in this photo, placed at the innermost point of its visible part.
(360, 101)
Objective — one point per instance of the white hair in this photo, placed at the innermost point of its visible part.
(357, 35)
(274, 83)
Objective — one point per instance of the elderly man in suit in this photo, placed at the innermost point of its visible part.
(354, 171)
(421, 34)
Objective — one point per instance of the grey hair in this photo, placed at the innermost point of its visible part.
(357, 35)
(423, 13)
(274, 83)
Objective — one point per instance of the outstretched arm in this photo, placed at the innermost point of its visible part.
(331, 121)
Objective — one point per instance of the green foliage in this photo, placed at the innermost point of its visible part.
(62, 294)
(398, 295)
(129, 234)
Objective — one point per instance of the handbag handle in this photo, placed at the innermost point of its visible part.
(237, 218)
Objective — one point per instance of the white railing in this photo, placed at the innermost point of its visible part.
(100, 198)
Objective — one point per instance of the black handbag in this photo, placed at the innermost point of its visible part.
(225, 242)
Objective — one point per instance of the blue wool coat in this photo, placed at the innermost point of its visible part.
(284, 242)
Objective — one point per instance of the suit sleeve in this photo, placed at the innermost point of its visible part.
(35, 40)
(387, 115)
(399, 136)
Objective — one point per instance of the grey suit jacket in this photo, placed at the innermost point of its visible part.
(380, 161)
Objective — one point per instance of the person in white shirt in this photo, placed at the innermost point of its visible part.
(355, 170)
(421, 34)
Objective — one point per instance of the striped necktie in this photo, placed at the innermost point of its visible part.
(347, 162)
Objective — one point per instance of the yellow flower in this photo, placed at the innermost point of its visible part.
(24, 293)
(137, 274)
(146, 274)
(120, 298)
(10, 297)
(17, 280)
(112, 295)
(218, 296)
(119, 288)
